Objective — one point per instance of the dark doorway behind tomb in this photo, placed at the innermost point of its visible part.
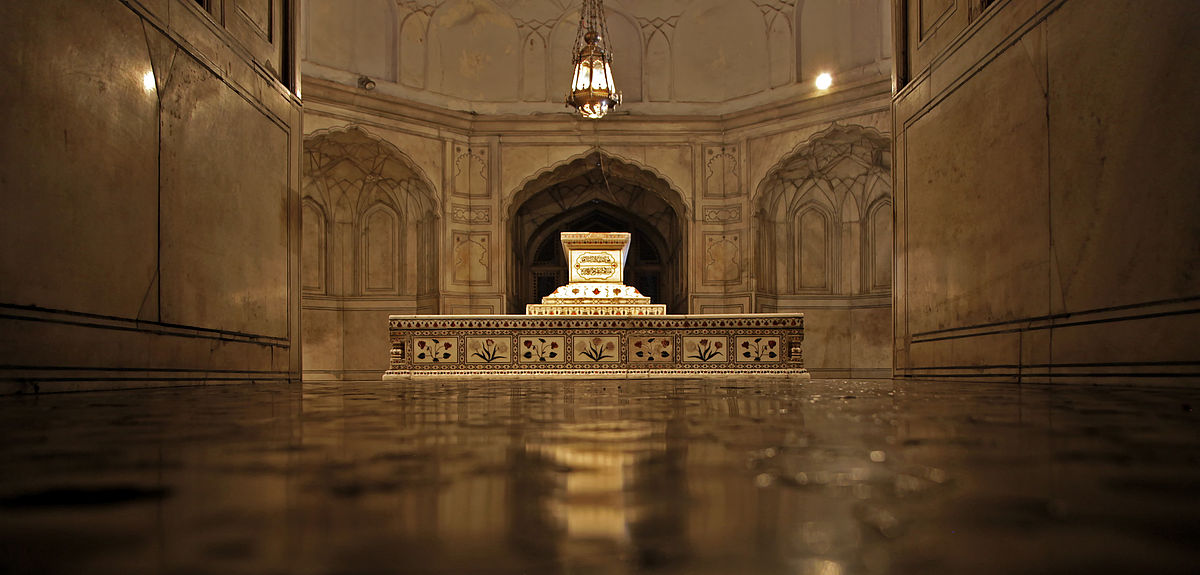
(588, 195)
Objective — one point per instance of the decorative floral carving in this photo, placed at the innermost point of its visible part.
(651, 349)
(487, 350)
(434, 350)
(723, 214)
(541, 349)
(470, 214)
(758, 349)
(597, 349)
(704, 349)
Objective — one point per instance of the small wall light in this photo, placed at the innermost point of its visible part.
(366, 83)
(824, 81)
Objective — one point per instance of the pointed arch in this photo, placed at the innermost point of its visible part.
(649, 177)
(779, 44)
(380, 253)
(533, 67)
(813, 234)
(381, 208)
(597, 190)
(414, 48)
(658, 67)
(877, 246)
(314, 246)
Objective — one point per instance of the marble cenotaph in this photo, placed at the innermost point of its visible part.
(595, 326)
(596, 268)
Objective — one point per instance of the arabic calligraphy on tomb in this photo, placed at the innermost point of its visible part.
(595, 266)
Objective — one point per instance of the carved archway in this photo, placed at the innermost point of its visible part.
(817, 216)
(368, 249)
(378, 211)
(598, 193)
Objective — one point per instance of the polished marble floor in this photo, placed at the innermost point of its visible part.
(825, 477)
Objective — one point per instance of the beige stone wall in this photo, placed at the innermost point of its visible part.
(149, 215)
(1046, 166)
(705, 176)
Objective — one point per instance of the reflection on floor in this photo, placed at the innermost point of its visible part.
(823, 477)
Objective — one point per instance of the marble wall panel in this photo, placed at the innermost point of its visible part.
(224, 221)
(470, 170)
(972, 192)
(78, 221)
(322, 340)
(1108, 287)
(366, 348)
(871, 341)
(721, 171)
(723, 258)
(1156, 343)
(1124, 212)
(472, 253)
(106, 102)
(827, 341)
(989, 350)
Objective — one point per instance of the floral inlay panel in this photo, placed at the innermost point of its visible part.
(758, 349)
(541, 349)
(489, 349)
(705, 349)
(435, 350)
(644, 349)
(596, 348)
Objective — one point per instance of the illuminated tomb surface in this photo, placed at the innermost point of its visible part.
(656, 476)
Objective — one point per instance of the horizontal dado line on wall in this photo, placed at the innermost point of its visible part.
(18, 371)
(1159, 378)
(102, 382)
(1132, 312)
(343, 375)
(848, 373)
(82, 319)
(1061, 365)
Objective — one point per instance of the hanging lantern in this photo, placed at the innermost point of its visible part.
(592, 89)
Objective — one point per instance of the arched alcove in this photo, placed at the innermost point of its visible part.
(598, 192)
(823, 229)
(813, 237)
(369, 219)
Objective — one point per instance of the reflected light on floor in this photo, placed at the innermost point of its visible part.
(681, 477)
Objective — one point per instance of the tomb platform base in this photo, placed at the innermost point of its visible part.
(596, 347)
